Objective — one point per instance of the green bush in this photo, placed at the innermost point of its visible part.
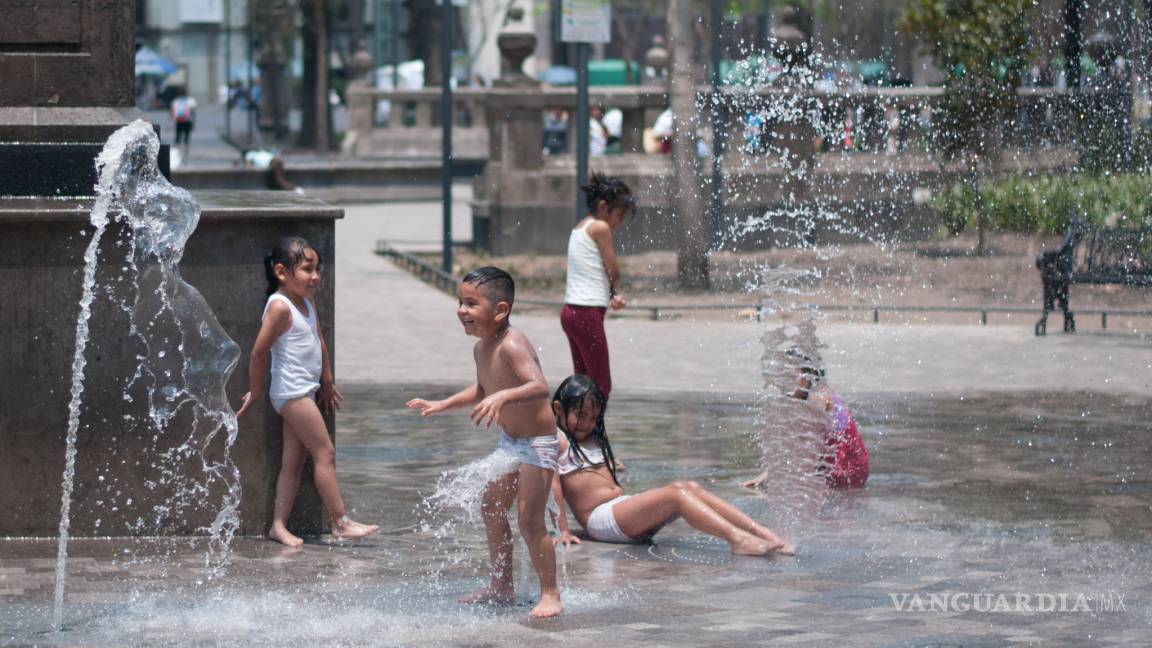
(1043, 204)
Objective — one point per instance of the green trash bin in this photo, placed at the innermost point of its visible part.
(613, 72)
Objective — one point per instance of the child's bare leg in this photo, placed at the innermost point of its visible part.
(640, 514)
(302, 416)
(740, 518)
(535, 487)
(497, 501)
(287, 484)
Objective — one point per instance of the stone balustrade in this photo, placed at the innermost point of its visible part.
(406, 123)
(871, 156)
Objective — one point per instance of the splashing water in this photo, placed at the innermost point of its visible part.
(783, 110)
(458, 500)
(183, 362)
(463, 489)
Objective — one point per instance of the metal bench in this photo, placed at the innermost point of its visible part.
(1092, 255)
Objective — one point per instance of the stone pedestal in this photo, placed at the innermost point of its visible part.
(44, 242)
(66, 78)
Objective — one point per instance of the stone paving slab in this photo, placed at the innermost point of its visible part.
(926, 525)
(392, 328)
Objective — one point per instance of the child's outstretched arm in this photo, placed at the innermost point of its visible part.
(328, 396)
(516, 354)
(276, 321)
(463, 398)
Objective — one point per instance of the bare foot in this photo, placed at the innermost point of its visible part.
(750, 545)
(281, 535)
(549, 606)
(779, 546)
(346, 529)
(489, 596)
(787, 549)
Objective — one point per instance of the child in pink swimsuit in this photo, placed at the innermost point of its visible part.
(845, 461)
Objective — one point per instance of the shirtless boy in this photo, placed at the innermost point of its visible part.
(511, 392)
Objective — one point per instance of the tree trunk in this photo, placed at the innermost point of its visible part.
(320, 20)
(691, 217)
(315, 123)
(424, 37)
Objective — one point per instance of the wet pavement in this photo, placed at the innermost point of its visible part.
(1002, 466)
(972, 497)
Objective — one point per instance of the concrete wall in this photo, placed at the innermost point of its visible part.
(116, 460)
(877, 198)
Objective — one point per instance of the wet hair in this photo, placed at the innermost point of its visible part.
(289, 252)
(496, 284)
(571, 394)
(806, 363)
(611, 190)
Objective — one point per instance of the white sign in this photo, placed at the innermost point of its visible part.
(586, 21)
(202, 11)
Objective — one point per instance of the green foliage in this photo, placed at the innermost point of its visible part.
(1042, 204)
(983, 44)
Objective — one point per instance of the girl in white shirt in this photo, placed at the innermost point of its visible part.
(301, 377)
(593, 277)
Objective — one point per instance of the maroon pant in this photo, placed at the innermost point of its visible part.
(584, 326)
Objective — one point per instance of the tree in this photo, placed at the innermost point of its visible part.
(691, 217)
(315, 117)
(629, 21)
(983, 47)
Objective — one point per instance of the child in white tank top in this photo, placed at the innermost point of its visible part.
(594, 276)
(301, 375)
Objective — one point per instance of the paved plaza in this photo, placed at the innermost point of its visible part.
(1004, 467)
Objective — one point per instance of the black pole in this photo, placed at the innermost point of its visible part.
(446, 129)
(717, 211)
(251, 48)
(1127, 24)
(1073, 42)
(377, 36)
(228, 70)
(394, 43)
(582, 118)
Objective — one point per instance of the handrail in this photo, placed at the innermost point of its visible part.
(447, 283)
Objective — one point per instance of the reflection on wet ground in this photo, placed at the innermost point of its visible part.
(1037, 495)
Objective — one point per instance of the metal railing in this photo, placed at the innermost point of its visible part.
(447, 283)
(888, 121)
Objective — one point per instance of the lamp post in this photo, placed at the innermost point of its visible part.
(445, 129)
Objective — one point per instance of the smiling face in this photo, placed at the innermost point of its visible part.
(578, 422)
(479, 315)
(302, 281)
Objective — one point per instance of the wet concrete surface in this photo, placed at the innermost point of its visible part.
(980, 495)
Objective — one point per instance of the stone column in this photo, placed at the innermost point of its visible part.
(522, 128)
(66, 76)
(66, 84)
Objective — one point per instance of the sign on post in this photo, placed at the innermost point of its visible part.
(583, 22)
(586, 21)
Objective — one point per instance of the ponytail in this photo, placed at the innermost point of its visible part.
(289, 252)
(611, 190)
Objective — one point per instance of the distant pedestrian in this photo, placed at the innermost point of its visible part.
(183, 111)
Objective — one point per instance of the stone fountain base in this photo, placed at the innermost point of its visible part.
(41, 267)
